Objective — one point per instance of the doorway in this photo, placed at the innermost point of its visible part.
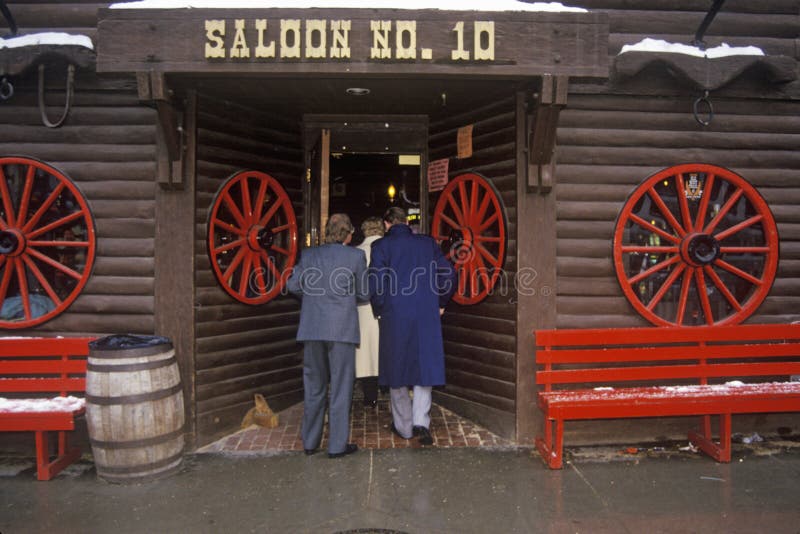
(362, 165)
(366, 185)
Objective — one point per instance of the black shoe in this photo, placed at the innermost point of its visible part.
(424, 435)
(309, 452)
(397, 432)
(349, 449)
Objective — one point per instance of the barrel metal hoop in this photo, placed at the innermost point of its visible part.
(148, 366)
(122, 354)
(134, 399)
(139, 443)
(142, 467)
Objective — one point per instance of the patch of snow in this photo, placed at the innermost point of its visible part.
(452, 5)
(47, 38)
(723, 50)
(56, 404)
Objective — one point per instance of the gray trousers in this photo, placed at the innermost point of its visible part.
(408, 413)
(322, 359)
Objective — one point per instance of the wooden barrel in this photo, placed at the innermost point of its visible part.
(134, 408)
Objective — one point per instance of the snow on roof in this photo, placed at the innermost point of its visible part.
(453, 5)
(48, 38)
(723, 50)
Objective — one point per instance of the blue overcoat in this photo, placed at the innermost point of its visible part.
(409, 280)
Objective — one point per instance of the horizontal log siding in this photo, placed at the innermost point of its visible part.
(107, 147)
(480, 340)
(771, 25)
(241, 350)
(607, 145)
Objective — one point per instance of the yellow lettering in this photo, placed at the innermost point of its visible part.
(290, 27)
(239, 48)
(484, 29)
(340, 37)
(380, 39)
(263, 51)
(315, 32)
(215, 31)
(406, 28)
(459, 54)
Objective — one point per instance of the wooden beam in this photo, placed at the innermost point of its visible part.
(550, 100)
(153, 88)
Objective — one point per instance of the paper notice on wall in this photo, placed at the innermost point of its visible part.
(465, 142)
(437, 174)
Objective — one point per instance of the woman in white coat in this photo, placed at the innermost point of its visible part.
(367, 351)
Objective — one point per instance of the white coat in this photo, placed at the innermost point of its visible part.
(367, 351)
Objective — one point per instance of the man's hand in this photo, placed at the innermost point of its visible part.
(441, 311)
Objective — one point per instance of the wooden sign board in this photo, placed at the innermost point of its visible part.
(464, 142)
(368, 41)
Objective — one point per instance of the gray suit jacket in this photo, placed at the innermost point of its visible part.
(331, 280)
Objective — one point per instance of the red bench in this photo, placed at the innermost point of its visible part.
(35, 367)
(665, 371)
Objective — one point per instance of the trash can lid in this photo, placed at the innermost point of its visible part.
(127, 341)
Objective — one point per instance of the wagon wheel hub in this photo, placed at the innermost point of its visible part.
(700, 249)
(12, 242)
(459, 244)
(260, 238)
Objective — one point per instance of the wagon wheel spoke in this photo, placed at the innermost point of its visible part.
(42, 280)
(720, 285)
(725, 259)
(48, 243)
(734, 198)
(702, 211)
(676, 272)
(251, 258)
(469, 222)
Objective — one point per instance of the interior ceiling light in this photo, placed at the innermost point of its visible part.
(357, 91)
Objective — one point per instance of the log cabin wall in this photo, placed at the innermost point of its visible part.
(480, 340)
(612, 136)
(240, 349)
(107, 147)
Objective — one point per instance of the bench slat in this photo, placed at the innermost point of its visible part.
(683, 352)
(42, 367)
(43, 385)
(609, 375)
(660, 335)
(45, 346)
(32, 421)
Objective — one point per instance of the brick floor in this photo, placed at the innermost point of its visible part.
(369, 429)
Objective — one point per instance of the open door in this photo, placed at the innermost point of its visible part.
(317, 188)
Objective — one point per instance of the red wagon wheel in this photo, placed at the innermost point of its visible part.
(470, 224)
(47, 242)
(252, 237)
(695, 244)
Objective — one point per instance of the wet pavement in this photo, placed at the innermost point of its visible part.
(420, 490)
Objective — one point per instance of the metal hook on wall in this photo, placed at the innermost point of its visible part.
(67, 104)
(696, 107)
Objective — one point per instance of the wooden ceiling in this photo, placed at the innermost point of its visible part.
(294, 97)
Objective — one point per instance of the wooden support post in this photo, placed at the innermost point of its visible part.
(550, 100)
(170, 139)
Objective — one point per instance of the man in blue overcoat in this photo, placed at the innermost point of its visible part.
(410, 283)
(331, 280)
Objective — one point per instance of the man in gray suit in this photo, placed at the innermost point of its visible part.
(330, 280)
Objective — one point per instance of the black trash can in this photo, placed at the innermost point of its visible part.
(134, 408)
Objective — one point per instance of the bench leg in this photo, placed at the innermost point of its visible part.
(45, 469)
(721, 451)
(551, 452)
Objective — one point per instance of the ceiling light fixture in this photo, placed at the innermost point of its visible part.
(357, 91)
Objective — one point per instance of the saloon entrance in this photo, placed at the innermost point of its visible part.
(350, 106)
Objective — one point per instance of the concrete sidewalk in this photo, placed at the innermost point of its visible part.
(457, 490)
